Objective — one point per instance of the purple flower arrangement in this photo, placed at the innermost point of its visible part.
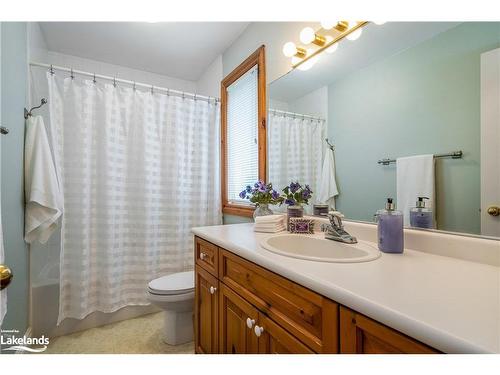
(261, 193)
(295, 194)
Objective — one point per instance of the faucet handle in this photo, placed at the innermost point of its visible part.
(336, 213)
(335, 218)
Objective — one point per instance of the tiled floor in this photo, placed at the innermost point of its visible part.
(141, 335)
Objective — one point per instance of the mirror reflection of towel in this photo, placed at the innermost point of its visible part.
(328, 188)
(42, 193)
(415, 178)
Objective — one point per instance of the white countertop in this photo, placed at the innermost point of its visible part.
(450, 304)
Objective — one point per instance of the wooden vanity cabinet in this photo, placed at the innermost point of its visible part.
(362, 335)
(244, 330)
(206, 312)
(243, 308)
(237, 319)
(276, 340)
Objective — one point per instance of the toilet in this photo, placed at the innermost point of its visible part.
(174, 294)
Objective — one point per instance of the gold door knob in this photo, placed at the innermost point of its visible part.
(494, 211)
(5, 276)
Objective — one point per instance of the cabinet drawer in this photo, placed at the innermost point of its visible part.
(206, 255)
(310, 317)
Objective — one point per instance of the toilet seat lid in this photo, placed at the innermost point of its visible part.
(176, 283)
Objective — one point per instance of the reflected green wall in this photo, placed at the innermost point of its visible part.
(425, 99)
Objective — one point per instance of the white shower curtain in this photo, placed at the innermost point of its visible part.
(138, 170)
(296, 149)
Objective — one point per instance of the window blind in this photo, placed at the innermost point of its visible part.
(242, 129)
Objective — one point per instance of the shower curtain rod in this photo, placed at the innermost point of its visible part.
(119, 80)
(296, 114)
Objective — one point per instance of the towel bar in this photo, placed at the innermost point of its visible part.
(453, 155)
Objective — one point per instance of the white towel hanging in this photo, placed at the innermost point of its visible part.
(328, 189)
(42, 193)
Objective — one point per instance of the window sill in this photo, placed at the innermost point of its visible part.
(238, 210)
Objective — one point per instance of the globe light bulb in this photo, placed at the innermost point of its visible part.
(307, 35)
(309, 63)
(351, 24)
(332, 48)
(289, 49)
(306, 66)
(355, 34)
(327, 25)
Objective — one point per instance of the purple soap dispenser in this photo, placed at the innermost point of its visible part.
(390, 229)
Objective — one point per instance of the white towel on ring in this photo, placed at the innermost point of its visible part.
(328, 189)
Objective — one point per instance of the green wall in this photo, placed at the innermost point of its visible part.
(14, 93)
(425, 99)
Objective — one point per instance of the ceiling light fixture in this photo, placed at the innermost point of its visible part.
(304, 60)
(341, 26)
(327, 25)
(290, 49)
(332, 48)
(308, 35)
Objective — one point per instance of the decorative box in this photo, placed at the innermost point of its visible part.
(301, 225)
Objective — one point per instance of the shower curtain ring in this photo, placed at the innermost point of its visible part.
(94, 80)
(114, 81)
(133, 87)
(152, 90)
(71, 74)
(51, 69)
(195, 97)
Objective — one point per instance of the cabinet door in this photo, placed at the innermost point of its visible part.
(362, 335)
(206, 312)
(237, 320)
(273, 339)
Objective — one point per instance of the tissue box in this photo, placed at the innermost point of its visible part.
(301, 225)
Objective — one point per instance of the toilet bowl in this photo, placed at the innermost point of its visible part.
(174, 294)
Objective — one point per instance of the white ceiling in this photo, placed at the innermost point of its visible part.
(176, 49)
(375, 44)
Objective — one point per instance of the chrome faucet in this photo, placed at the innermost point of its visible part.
(335, 230)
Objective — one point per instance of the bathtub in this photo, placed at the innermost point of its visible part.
(44, 307)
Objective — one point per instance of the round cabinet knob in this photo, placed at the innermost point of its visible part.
(258, 331)
(493, 211)
(203, 256)
(250, 323)
(212, 290)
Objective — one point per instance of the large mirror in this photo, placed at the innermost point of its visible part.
(411, 110)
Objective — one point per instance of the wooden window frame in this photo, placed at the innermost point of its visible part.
(256, 58)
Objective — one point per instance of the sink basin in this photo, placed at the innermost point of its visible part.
(319, 249)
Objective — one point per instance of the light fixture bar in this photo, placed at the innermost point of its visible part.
(332, 42)
(341, 26)
(301, 52)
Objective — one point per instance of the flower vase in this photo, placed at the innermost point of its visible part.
(293, 211)
(262, 210)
